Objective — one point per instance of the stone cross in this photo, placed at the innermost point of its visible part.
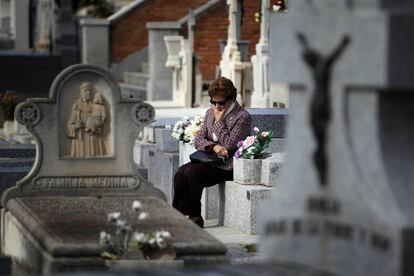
(231, 51)
(230, 65)
(355, 109)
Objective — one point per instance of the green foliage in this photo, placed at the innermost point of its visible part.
(251, 247)
(109, 256)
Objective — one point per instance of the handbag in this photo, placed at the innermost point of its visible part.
(211, 159)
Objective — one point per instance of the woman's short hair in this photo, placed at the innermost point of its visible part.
(222, 87)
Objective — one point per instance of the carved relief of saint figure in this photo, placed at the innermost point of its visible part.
(86, 126)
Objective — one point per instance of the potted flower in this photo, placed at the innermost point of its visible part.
(248, 157)
(128, 249)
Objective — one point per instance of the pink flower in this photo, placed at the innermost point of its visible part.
(265, 134)
(248, 142)
(256, 129)
(239, 144)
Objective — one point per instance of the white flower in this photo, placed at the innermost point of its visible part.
(160, 242)
(113, 217)
(164, 234)
(252, 157)
(139, 237)
(104, 238)
(265, 133)
(256, 129)
(137, 205)
(152, 242)
(143, 216)
(122, 227)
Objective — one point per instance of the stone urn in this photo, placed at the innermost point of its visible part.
(247, 171)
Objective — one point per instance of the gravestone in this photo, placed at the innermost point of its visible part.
(159, 85)
(84, 170)
(344, 203)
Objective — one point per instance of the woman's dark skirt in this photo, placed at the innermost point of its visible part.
(189, 182)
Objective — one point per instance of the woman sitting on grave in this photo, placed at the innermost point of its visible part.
(225, 124)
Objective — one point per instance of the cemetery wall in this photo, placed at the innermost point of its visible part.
(129, 33)
(210, 28)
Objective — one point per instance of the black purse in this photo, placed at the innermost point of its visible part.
(211, 159)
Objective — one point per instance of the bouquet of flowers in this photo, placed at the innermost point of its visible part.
(252, 146)
(125, 241)
(178, 131)
(186, 130)
(191, 131)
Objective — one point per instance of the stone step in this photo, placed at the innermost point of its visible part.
(136, 78)
(136, 91)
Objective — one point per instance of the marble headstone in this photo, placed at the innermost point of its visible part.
(355, 215)
(84, 169)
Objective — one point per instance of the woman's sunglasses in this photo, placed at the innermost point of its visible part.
(218, 102)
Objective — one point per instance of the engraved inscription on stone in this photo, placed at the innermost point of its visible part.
(79, 183)
(87, 126)
(329, 228)
(323, 205)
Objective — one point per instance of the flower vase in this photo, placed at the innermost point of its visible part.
(247, 171)
(185, 149)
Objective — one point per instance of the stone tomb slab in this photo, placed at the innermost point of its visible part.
(55, 234)
(84, 169)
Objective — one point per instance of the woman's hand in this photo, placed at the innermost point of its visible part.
(221, 151)
(218, 114)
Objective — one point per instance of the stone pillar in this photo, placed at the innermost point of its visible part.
(159, 78)
(260, 62)
(95, 41)
(19, 21)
